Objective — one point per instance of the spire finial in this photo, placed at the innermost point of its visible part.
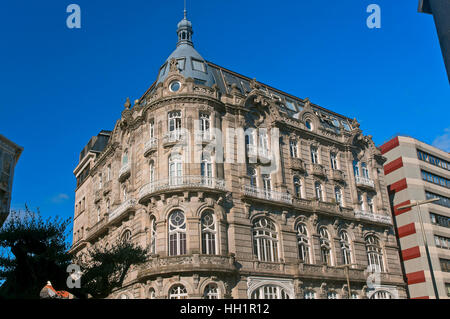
(185, 12)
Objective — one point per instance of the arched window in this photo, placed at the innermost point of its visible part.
(356, 168)
(208, 233)
(338, 195)
(309, 294)
(100, 181)
(269, 292)
(126, 236)
(125, 158)
(265, 240)
(314, 155)
(151, 129)
(345, 248)
(318, 191)
(177, 233)
(374, 253)
(298, 187)
(152, 293)
(153, 235)
(365, 170)
(152, 171)
(174, 125)
(211, 292)
(303, 243)
(267, 185)
(175, 169)
(263, 141)
(361, 201)
(332, 295)
(253, 176)
(206, 168)
(333, 160)
(325, 246)
(370, 203)
(204, 126)
(178, 292)
(293, 146)
(381, 294)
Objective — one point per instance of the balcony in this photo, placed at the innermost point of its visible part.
(317, 169)
(173, 137)
(297, 164)
(180, 182)
(364, 182)
(204, 137)
(124, 171)
(98, 195)
(383, 219)
(96, 229)
(150, 146)
(262, 155)
(337, 175)
(187, 263)
(120, 210)
(107, 187)
(265, 194)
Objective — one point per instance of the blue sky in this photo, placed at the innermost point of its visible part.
(61, 86)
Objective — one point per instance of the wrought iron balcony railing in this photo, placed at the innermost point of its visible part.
(267, 194)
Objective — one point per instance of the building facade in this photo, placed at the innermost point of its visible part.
(9, 155)
(416, 171)
(239, 190)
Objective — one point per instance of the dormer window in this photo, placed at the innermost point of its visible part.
(198, 65)
(180, 63)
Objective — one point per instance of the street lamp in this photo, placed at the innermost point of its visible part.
(346, 267)
(418, 204)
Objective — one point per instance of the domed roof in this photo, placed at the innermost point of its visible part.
(190, 63)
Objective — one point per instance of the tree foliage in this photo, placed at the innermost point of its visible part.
(32, 251)
(104, 268)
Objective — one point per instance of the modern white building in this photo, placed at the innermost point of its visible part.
(416, 171)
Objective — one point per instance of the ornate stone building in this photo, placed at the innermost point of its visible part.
(239, 190)
(9, 155)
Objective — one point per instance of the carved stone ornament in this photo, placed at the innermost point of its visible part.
(173, 65)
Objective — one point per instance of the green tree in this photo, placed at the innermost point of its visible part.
(32, 251)
(104, 269)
